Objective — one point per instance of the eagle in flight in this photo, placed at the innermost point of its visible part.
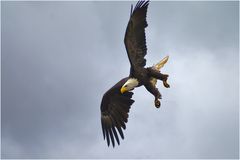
(116, 102)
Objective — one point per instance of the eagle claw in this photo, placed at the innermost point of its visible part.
(166, 84)
(157, 103)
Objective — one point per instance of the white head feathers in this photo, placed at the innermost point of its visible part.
(131, 84)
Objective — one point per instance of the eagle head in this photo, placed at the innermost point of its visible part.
(129, 85)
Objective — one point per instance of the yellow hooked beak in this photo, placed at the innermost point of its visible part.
(123, 90)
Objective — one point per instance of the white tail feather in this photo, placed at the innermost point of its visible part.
(158, 66)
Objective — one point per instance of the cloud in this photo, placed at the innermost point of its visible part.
(58, 58)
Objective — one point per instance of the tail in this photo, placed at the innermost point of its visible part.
(160, 64)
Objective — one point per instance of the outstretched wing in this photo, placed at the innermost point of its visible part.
(114, 112)
(135, 40)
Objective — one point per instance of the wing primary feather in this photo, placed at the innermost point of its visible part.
(111, 136)
(107, 135)
(146, 4)
(103, 128)
(120, 132)
(131, 10)
(115, 123)
(116, 135)
(137, 5)
(123, 125)
(141, 4)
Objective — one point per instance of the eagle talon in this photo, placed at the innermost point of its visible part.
(157, 103)
(166, 84)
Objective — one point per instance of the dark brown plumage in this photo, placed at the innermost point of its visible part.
(135, 40)
(114, 112)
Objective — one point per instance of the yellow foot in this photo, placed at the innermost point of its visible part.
(166, 84)
(157, 103)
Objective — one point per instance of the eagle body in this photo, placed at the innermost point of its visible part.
(117, 101)
(141, 74)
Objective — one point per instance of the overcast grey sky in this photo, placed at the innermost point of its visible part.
(58, 59)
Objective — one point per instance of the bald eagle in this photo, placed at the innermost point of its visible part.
(116, 102)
